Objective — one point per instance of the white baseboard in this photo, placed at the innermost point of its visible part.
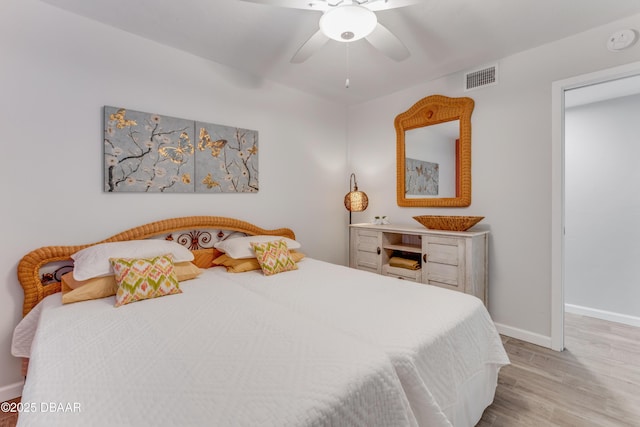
(11, 391)
(523, 335)
(602, 314)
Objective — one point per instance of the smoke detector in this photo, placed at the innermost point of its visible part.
(621, 40)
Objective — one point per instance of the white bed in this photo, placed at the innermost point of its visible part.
(320, 345)
(443, 344)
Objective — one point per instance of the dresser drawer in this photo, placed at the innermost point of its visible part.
(402, 273)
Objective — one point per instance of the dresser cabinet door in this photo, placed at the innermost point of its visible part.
(365, 250)
(443, 262)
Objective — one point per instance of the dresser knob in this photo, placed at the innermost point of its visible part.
(378, 250)
(424, 258)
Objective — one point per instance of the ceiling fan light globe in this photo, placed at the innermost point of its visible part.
(348, 23)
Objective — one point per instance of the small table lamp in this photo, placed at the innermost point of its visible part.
(355, 201)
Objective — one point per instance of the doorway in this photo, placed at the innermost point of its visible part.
(585, 85)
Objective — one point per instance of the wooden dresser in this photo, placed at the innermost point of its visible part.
(454, 260)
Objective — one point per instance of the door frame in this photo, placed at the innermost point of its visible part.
(558, 185)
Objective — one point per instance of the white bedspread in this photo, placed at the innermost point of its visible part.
(443, 344)
(217, 354)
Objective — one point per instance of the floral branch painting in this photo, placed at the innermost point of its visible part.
(146, 152)
(422, 178)
(229, 159)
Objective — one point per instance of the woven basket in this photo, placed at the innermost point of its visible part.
(451, 223)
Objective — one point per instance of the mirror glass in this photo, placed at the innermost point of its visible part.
(434, 153)
(430, 160)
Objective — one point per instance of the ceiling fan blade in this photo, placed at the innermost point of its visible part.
(376, 5)
(294, 4)
(324, 5)
(386, 42)
(311, 46)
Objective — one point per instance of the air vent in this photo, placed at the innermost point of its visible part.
(487, 76)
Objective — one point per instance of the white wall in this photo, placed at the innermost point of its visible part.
(511, 167)
(57, 72)
(602, 207)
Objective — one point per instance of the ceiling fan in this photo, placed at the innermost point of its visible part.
(348, 21)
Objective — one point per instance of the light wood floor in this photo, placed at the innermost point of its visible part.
(594, 382)
(9, 419)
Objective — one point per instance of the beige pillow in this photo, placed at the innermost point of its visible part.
(102, 287)
(240, 247)
(203, 258)
(186, 271)
(246, 264)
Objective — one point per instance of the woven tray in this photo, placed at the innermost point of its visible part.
(450, 223)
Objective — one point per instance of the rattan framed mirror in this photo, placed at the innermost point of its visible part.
(433, 149)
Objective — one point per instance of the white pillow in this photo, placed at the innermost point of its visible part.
(94, 261)
(240, 247)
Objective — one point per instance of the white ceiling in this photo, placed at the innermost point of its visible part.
(443, 36)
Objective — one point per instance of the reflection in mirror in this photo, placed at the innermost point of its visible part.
(434, 153)
(430, 160)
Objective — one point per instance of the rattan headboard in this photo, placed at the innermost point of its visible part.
(31, 264)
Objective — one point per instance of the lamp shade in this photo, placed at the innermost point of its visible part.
(348, 23)
(356, 201)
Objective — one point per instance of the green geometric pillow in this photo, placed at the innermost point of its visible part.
(274, 257)
(140, 279)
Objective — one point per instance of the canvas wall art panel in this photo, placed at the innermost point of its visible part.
(227, 159)
(145, 152)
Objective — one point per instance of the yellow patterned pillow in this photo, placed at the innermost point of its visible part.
(274, 257)
(140, 278)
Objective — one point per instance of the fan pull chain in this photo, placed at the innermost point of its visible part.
(346, 84)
